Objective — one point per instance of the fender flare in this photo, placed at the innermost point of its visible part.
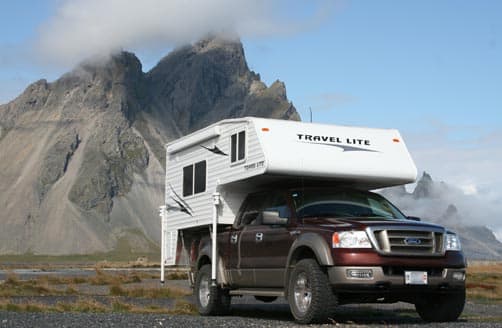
(317, 244)
(205, 252)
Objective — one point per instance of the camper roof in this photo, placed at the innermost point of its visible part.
(362, 157)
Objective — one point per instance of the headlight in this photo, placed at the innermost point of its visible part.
(452, 242)
(351, 239)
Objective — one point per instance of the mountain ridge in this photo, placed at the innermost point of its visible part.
(85, 152)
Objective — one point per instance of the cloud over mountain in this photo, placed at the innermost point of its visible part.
(83, 28)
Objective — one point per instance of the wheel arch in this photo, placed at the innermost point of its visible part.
(205, 258)
(308, 245)
(313, 242)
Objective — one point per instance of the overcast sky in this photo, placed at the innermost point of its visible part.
(432, 69)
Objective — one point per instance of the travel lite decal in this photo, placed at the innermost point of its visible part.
(215, 150)
(182, 205)
(347, 144)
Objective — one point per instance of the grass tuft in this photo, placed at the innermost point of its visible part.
(177, 275)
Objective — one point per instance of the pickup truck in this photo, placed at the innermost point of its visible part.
(324, 246)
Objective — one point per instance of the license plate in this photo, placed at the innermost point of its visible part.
(415, 277)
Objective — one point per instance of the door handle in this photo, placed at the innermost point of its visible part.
(259, 236)
(233, 238)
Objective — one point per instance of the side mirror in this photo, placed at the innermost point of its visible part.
(413, 218)
(273, 218)
(249, 217)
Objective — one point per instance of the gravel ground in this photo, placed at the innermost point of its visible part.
(249, 313)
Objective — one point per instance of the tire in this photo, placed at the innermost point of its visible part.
(210, 300)
(266, 299)
(309, 294)
(442, 308)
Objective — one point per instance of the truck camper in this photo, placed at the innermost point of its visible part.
(274, 208)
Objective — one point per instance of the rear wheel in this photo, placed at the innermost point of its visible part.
(442, 308)
(210, 300)
(309, 293)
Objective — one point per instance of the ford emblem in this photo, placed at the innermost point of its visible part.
(412, 241)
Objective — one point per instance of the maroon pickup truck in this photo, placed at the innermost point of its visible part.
(320, 247)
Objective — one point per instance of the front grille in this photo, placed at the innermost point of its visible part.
(408, 241)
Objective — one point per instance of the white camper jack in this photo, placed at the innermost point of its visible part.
(209, 172)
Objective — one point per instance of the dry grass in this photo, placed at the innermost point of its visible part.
(12, 286)
(484, 282)
(103, 278)
(90, 305)
(177, 275)
(83, 305)
(58, 280)
(166, 292)
(120, 284)
(57, 285)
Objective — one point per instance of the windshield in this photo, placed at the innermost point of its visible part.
(343, 204)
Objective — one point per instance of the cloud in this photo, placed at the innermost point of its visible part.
(468, 159)
(472, 209)
(85, 28)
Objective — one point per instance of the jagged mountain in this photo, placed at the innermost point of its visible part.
(81, 158)
(444, 204)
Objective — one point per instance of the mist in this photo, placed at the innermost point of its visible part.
(451, 206)
(88, 28)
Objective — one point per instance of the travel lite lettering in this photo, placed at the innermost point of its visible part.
(329, 139)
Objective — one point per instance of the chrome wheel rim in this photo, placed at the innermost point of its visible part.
(302, 292)
(204, 292)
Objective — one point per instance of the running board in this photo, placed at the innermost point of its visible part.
(275, 292)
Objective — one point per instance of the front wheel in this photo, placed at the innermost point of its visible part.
(309, 293)
(442, 308)
(210, 300)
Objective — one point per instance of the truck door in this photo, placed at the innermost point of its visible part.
(262, 244)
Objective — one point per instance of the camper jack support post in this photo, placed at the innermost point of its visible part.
(163, 218)
(214, 256)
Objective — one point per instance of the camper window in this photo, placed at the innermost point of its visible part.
(188, 180)
(238, 146)
(194, 180)
(200, 177)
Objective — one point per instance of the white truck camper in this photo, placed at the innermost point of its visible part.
(210, 171)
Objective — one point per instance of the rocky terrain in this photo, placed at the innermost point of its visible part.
(81, 158)
(441, 203)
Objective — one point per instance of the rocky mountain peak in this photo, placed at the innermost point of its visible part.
(86, 151)
(425, 187)
(451, 211)
(231, 45)
(116, 64)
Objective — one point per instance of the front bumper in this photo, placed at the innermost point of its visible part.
(391, 281)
